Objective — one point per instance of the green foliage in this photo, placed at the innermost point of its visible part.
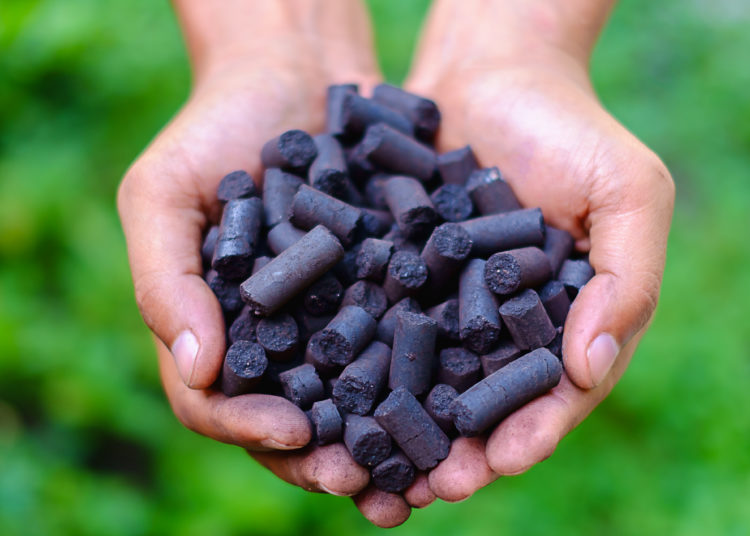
(88, 444)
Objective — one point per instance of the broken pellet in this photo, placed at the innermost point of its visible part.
(243, 368)
(406, 274)
(446, 316)
(226, 291)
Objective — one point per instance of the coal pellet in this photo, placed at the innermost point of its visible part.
(362, 381)
(244, 326)
(328, 172)
(367, 295)
(438, 406)
(421, 112)
(558, 245)
(556, 302)
(459, 368)
(444, 254)
(345, 336)
(509, 230)
(503, 392)
(311, 207)
(367, 442)
(446, 316)
(478, 319)
(226, 291)
(279, 336)
(244, 365)
(509, 271)
(278, 191)
(574, 274)
(413, 356)
(490, 193)
(394, 474)
(316, 355)
(372, 259)
(396, 152)
(236, 185)
(209, 243)
(326, 421)
(387, 324)
(410, 205)
(302, 385)
(271, 380)
(282, 236)
(456, 166)
(527, 320)
(238, 237)
(452, 202)
(412, 429)
(375, 223)
(334, 107)
(324, 296)
(506, 352)
(291, 272)
(358, 113)
(360, 167)
(260, 262)
(406, 274)
(293, 150)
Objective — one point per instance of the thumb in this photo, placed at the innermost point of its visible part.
(162, 221)
(629, 218)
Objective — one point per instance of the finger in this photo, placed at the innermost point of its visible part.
(251, 421)
(629, 226)
(419, 494)
(326, 469)
(463, 472)
(386, 510)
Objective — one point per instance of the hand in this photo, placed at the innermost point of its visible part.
(530, 109)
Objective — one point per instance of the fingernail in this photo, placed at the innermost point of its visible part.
(185, 350)
(331, 492)
(273, 444)
(601, 355)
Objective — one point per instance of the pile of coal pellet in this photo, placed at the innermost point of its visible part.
(399, 296)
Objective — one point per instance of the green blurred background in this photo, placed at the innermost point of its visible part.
(88, 444)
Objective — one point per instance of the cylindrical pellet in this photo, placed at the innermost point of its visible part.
(334, 107)
(271, 381)
(509, 230)
(410, 205)
(396, 152)
(558, 245)
(226, 291)
(387, 324)
(503, 392)
(311, 207)
(406, 274)
(260, 262)
(208, 246)
(490, 193)
(509, 271)
(423, 113)
(244, 365)
(444, 253)
(346, 335)
(302, 385)
(328, 172)
(574, 274)
(238, 237)
(244, 326)
(326, 421)
(372, 259)
(413, 355)
(368, 296)
(361, 382)
(527, 321)
(366, 440)
(278, 191)
(459, 368)
(506, 352)
(279, 336)
(446, 316)
(452, 202)
(438, 406)
(282, 236)
(456, 166)
(478, 319)
(291, 272)
(556, 302)
(412, 429)
(293, 151)
(394, 474)
(360, 168)
(358, 113)
(324, 296)
(236, 185)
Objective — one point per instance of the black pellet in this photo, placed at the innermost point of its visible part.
(278, 191)
(375, 223)
(444, 253)
(509, 271)
(236, 185)
(490, 193)
(291, 272)
(478, 319)
(260, 262)
(509, 230)
(394, 474)
(446, 316)
(358, 113)
(243, 327)
(412, 429)
(527, 321)
(334, 107)
(326, 421)
(506, 352)
(375, 192)
(423, 113)
(366, 440)
(302, 385)
(438, 406)
(410, 205)
(406, 274)
(556, 345)
(209, 243)
(317, 356)
(396, 152)
(344, 336)
(311, 207)
(456, 166)
(556, 302)
(413, 355)
(226, 291)
(459, 368)
(367, 295)
(279, 336)
(372, 259)
(362, 381)
(387, 324)
(275, 369)
(294, 151)
(558, 245)
(238, 237)
(328, 172)
(282, 236)
(243, 368)
(503, 392)
(452, 202)
(360, 168)
(574, 274)
(324, 296)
